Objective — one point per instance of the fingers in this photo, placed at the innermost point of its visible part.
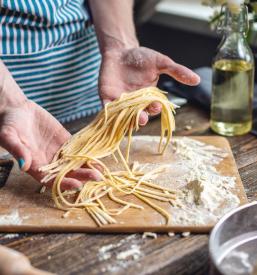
(94, 164)
(76, 179)
(12, 143)
(71, 183)
(85, 174)
(143, 118)
(177, 71)
(154, 109)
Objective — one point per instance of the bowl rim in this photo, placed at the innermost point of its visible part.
(216, 229)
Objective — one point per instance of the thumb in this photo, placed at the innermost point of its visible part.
(179, 72)
(12, 143)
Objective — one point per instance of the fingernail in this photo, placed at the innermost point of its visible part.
(21, 162)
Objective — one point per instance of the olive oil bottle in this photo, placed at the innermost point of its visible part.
(233, 78)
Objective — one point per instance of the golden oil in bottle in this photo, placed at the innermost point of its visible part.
(233, 75)
(232, 94)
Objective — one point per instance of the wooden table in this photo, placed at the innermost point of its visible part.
(79, 253)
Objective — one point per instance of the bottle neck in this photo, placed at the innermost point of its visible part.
(234, 44)
(236, 20)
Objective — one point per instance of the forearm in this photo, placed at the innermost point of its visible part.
(113, 20)
(10, 93)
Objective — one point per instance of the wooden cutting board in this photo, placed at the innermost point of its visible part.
(24, 209)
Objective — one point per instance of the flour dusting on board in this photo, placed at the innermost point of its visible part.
(11, 219)
(204, 195)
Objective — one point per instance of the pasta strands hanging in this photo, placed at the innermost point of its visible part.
(102, 138)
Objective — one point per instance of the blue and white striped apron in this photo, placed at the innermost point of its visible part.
(51, 50)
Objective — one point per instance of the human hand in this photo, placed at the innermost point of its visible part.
(32, 135)
(135, 68)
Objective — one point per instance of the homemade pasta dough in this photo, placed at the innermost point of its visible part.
(102, 138)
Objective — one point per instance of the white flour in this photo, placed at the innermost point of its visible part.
(149, 235)
(120, 258)
(10, 236)
(203, 194)
(107, 251)
(133, 251)
(11, 219)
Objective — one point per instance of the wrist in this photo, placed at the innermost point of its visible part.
(10, 93)
(110, 42)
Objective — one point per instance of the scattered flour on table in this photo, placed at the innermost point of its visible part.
(106, 251)
(120, 258)
(10, 236)
(185, 234)
(203, 194)
(133, 251)
(152, 235)
(11, 219)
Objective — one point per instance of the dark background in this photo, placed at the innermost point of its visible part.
(190, 49)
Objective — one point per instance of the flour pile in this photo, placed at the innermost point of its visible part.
(204, 195)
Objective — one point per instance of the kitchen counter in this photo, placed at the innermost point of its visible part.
(84, 253)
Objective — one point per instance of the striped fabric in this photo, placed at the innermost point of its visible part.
(51, 49)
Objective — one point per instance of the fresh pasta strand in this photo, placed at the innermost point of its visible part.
(102, 138)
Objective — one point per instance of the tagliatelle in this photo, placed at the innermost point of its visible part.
(102, 138)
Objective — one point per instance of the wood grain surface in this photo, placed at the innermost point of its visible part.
(38, 214)
(79, 253)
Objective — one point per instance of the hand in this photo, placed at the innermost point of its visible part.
(33, 137)
(125, 70)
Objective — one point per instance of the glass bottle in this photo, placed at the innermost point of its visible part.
(233, 77)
